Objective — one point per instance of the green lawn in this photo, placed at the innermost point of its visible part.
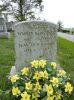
(65, 56)
(7, 59)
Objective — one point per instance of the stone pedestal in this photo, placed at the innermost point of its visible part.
(5, 34)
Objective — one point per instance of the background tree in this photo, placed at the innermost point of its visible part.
(24, 9)
(60, 25)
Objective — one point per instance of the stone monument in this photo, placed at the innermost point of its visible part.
(34, 40)
(3, 29)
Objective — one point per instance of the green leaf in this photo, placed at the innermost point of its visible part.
(44, 98)
(22, 88)
(0, 92)
(49, 70)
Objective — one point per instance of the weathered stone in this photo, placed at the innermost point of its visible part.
(13, 71)
(34, 40)
(3, 29)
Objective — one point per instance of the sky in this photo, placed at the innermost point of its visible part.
(58, 10)
(63, 10)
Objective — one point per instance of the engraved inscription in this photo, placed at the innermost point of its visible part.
(34, 40)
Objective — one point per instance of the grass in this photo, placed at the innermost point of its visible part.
(65, 56)
(7, 59)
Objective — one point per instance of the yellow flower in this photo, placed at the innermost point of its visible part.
(15, 91)
(61, 73)
(54, 65)
(37, 86)
(58, 96)
(14, 78)
(35, 95)
(28, 86)
(25, 96)
(25, 71)
(55, 81)
(41, 74)
(45, 74)
(49, 89)
(34, 63)
(37, 76)
(68, 88)
(42, 63)
(50, 98)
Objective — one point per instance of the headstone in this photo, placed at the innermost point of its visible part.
(10, 26)
(3, 29)
(34, 40)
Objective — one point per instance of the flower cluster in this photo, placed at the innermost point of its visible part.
(41, 81)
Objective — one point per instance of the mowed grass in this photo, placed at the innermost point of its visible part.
(65, 56)
(7, 59)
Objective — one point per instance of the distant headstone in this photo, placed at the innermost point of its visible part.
(10, 26)
(3, 29)
(34, 40)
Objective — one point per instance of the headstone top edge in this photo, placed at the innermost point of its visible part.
(1, 18)
(37, 21)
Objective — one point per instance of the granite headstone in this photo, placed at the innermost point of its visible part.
(34, 40)
(3, 29)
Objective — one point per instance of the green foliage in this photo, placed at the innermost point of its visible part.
(60, 26)
(24, 10)
(36, 82)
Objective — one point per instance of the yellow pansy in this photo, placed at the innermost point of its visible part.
(50, 98)
(37, 86)
(14, 78)
(45, 74)
(37, 76)
(28, 86)
(15, 91)
(54, 81)
(25, 96)
(54, 65)
(34, 63)
(25, 71)
(42, 63)
(49, 89)
(61, 73)
(68, 88)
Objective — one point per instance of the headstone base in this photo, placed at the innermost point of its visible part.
(13, 71)
(4, 34)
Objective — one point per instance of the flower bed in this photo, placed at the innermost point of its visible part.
(41, 81)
